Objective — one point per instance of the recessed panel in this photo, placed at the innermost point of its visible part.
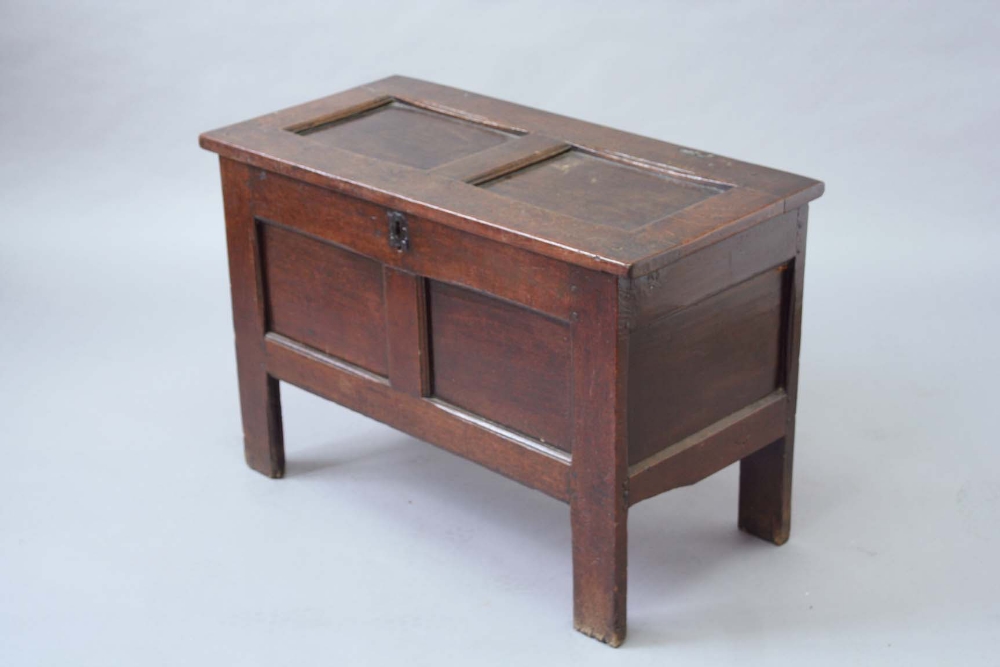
(325, 297)
(601, 191)
(404, 134)
(508, 364)
(699, 364)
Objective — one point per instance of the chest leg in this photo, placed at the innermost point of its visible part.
(260, 404)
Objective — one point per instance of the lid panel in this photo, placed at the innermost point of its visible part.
(403, 134)
(601, 191)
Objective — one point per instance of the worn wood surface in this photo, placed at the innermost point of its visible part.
(490, 445)
(601, 191)
(698, 364)
(599, 473)
(711, 449)
(406, 324)
(326, 297)
(505, 158)
(599, 316)
(501, 361)
(260, 401)
(385, 141)
(436, 251)
(765, 506)
(404, 134)
(716, 268)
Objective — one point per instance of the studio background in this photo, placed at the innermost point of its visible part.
(131, 531)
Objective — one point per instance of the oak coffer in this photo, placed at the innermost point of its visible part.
(597, 315)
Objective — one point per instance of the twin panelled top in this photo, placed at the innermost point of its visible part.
(578, 192)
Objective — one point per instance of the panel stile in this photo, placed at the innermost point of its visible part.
(502, 159)
(260, 401)
(599, 480)
(406, 325)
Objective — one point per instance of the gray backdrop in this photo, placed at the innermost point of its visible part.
(131, 533)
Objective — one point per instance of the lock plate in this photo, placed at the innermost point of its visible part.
(399, 234)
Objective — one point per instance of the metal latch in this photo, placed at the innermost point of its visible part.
(399, 235)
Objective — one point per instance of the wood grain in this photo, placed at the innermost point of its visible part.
(371, 395)
(406, 324)
(624, 204)
(739, 257)
(503, 159)
(710, 450)
(599, 474)
(509, 364)
(701, 363)
(597, 315)
(601, 191)
(405, 134)
(436, 251)
(260, 401)
(326, 297)
(765, 508)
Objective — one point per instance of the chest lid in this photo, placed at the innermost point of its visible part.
(576, 191)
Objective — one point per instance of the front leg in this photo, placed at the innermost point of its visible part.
(260, 404)
(599, 474)
(600, 560)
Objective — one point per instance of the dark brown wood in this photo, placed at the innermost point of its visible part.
(709, 450)
(404, 134)
(503, 159)
(503, 451)
(766, 476)
(751, 193)
(731, 261)
(436, 251)
(260, 401)
(699, 364)
(602, 191)
(599, 316)
(406, 323)
(325, 297)
(599, 473)
(501, 361)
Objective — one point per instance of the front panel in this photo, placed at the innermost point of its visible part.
(326, 297)
(477, 328)
(501, 361)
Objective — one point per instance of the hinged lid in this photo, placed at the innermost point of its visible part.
(576, 191)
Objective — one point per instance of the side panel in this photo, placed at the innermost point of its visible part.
(708, 336)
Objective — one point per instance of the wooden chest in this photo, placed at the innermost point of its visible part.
(597, 315)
